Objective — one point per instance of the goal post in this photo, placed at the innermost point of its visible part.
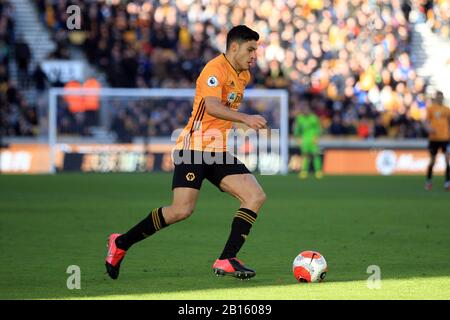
(272, 103)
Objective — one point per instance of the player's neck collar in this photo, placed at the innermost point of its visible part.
(237, 72)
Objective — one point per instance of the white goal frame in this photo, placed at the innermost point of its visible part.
(161, 93)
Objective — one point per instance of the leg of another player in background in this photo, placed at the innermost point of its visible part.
(317, 162)
(305, 165)
(447, 168)
(302, 174)
(306, 155)
(428, 184)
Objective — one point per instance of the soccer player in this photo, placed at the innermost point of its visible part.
(438, 122)
(307, 127)
(200, 153)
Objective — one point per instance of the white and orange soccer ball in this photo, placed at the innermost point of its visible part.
(309, 266)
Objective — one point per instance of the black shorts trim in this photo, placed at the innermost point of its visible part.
(434, 146)
(192, 167)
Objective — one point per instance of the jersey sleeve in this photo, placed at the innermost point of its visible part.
(211, 82)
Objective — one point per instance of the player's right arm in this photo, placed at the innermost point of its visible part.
(210, 85)
(215, 108)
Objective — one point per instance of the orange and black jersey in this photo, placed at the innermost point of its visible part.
(439, 120)
(204, 132)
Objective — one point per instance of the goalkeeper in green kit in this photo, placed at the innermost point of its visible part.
(307, 128)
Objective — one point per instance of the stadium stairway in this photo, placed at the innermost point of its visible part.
(29, 25)
(431, 56)
(39, 39)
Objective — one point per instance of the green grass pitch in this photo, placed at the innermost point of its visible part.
(51, 222)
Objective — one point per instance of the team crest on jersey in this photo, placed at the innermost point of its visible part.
(231, 97)
(437, 114)
(212, 82)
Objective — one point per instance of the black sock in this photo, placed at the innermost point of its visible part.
(152, 223)
(429, 172)
(240, 228)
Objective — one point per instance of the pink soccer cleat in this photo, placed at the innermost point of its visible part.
(232, 267)
(114, 257)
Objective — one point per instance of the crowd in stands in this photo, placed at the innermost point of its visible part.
(17, 116)
(437, 14)
(349, 60)
(149, 118)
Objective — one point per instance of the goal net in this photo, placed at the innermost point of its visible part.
(134, 130)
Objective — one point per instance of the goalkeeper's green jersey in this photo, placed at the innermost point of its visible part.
(307, 126)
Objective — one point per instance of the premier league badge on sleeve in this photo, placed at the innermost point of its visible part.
(212, 82)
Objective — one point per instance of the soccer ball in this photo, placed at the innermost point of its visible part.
(309, 266)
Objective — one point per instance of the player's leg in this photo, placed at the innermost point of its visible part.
(184, 200)
(251, 196)
(306, 156)
(183, 203)
(428, 183)
(306, 159)
(317, 161)
(447, 166)
(433, 151)
(302, 154)
(186, 183)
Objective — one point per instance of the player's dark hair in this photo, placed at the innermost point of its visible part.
(241, 34)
